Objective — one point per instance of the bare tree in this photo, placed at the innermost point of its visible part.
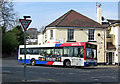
(42, 29)
(7, 15)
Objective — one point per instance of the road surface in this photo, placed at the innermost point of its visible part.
(12, 71)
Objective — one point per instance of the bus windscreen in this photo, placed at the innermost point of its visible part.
(90, 53)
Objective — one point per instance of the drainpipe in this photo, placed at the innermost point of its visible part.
(104, 46)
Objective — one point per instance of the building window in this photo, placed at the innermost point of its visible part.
(51, 34)
(91, 34)
(108, 34)
(70, 34)
(113, 57)
(45, 35)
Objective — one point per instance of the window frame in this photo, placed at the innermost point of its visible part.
(91, 34)
(51, 34)
(108, 34)
(71, 35)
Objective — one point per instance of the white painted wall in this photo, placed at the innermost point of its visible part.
(117, 42)
(117, 36)
(40, 39)
(115, 32)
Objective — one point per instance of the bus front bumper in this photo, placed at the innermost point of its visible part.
(90, 63)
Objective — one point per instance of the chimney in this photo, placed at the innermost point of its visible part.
(99, 14)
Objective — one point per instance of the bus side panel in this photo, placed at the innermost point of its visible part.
(76, 61)
(80, 62)
(58, 63)
(33, 57)
(21, 59)
(67, 58)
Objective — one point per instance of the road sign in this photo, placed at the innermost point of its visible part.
(25, 23)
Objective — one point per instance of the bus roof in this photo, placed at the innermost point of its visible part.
(56, 45)
(32, 46)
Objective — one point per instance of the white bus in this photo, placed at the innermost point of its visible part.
(65, 54)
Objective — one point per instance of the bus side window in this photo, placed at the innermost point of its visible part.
(75, 52)
(80, 52)
(51, 52)
(58, 52)
(44, 54)
(22, 51)
(48, 52)
(66, 52)
(71, 52)
(41, 52)
(35, 51)
(28, 51)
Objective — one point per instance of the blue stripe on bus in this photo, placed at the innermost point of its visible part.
(89, 63)
(58, 45)
(84, 63)
(41, 62)
(28, 61)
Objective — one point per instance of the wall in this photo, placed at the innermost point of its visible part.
(40, 39)
(115, 39)
(117, 42)
(81, 35)
(48, 34)
(61, 34)
(101, 45)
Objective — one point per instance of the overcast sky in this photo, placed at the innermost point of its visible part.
(43, 13)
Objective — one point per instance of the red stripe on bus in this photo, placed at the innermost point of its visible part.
(73, 44)
(49, 63)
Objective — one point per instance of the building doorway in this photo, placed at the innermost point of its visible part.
(110, 58)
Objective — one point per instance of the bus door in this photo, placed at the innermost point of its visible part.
(78, 55)
(74, 56)
(71, 55)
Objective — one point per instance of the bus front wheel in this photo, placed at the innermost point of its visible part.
(33, 62)
(67, 63)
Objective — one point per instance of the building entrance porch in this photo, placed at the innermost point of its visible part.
(110, 58)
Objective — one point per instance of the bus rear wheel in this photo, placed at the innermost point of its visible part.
(67, 63)
(33, 62)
